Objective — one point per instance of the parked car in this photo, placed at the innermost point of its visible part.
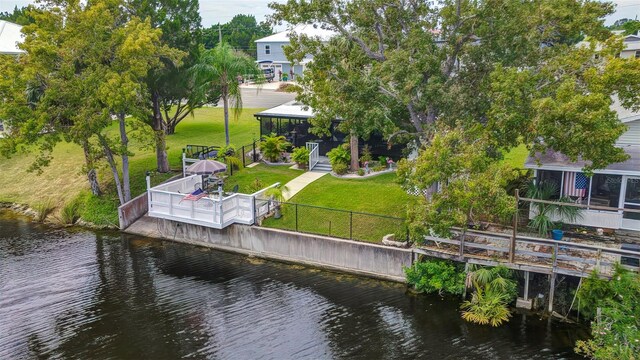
(269, 74)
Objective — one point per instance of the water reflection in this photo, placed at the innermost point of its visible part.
(79, 294)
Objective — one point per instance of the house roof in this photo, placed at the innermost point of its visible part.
(291, 109)
(552, 160)
(309, 30)
(10, 37)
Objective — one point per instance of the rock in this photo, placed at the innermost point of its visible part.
(389, 240)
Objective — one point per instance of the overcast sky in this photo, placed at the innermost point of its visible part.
(221, 11)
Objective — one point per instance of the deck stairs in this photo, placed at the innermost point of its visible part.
(323, 165)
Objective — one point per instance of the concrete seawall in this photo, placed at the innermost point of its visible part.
(335, 254)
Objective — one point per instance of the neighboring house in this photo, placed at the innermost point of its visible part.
(616, 186)
(291, 120)
(271, 55)
(631, 47)
(10, 37)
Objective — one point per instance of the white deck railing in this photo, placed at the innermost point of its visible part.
(167, 201)
(314, 154)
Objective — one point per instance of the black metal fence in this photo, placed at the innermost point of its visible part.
(344, 224)
(249, 153)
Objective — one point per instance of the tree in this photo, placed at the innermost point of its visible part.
(630, 27)
(19, 16)
(172, 92)
(241, 33)
(219, 68)
(86, 65)
(505, 72)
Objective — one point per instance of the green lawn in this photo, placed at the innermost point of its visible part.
(63, 180)
(267, 175)
(516, 157)
(378, 195)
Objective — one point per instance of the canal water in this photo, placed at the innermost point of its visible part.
(77, 294)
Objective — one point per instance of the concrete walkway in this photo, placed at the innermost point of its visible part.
(294, 186)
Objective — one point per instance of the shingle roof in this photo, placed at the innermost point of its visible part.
(309, 30)
(556, 161)
(10, 37)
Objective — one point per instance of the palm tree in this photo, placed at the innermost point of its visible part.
(221, 68)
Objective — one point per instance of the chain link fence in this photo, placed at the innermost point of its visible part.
(333, 222)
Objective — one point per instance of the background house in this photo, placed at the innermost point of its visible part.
(271, 54)
(10, 37)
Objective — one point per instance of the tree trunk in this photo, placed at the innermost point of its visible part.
(355, 155)
(225, 99)
(126, 183)
(92, 176)
(162, 160)
(112, 164)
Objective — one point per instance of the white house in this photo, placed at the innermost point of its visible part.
(270, 51)
(10, 37)
(616, 186)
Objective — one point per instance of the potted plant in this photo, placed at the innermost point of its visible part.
(276, 196)
(543, 220)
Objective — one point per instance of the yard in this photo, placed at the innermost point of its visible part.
(343, 208)
(264, 174)
(63, 180)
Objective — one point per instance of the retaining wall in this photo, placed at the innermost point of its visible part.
(133, 210)
(326, 252)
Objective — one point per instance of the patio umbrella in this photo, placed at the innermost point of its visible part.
(206, 167)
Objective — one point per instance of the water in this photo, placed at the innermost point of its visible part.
(76, 294)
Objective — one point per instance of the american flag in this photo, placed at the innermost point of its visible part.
(575, 184)
(195, 196)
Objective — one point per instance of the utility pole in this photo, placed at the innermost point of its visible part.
(219, 33)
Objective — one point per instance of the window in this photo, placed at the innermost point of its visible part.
(267, 49)
(637, 54)
(605, 190)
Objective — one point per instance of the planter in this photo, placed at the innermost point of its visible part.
(557, 234)
(389, 240)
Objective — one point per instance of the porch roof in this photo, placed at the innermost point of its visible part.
(552, 160)
(291, 109)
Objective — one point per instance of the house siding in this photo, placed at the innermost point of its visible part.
(277, 53)
(632, 136)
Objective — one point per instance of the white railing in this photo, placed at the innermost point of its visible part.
(314, 154)
(167, 201)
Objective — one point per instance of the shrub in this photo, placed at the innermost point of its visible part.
(43, 209)
(339, 168)
(436, 276)
(301, 156)
(70, 212)
(616, 332)
(272, 146)
(545, 212)
(361, 172)
(493, 291)
(366, 155)
(256, 185)
(339, 155)
(379, 168)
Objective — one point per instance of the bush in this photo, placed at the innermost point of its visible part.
(366, 155)
(616, 332)
(378, 168)
(361, 172)
(43, 210)
(436, 276)
(301, 156)
(494, 290)
(340, 168)
(70, 212)
(339, 155)
(256, 185)
(273, 146)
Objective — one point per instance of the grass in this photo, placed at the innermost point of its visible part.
(378, 195)
(63, 181)
(517, 157)
(267, 175)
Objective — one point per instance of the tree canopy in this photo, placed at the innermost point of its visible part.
(19, 16)
(240, 33)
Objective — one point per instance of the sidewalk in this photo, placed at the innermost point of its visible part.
(294, 186)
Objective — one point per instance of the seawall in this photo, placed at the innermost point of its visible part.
(319, 251)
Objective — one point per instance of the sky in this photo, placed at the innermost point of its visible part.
(221, 11)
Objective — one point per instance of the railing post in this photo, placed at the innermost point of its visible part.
(462, 242)
(254, 152)
(296, 217)
(350, 225)
(244, 158)
(184, 168)
(512, 248)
